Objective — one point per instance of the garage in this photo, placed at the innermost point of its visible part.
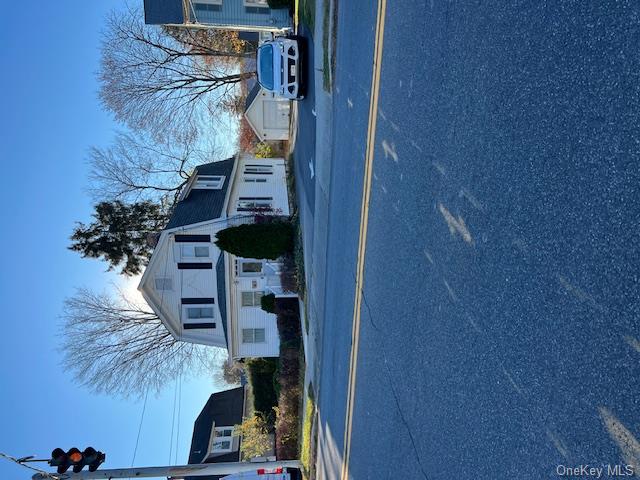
(267, 114)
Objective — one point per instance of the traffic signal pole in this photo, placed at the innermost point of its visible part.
(179, 471)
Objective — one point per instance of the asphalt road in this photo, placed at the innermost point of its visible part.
(304, 151)
(500, 333)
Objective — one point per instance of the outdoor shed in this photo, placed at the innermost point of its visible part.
(267, 114)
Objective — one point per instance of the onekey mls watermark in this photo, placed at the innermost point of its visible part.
(596, 471)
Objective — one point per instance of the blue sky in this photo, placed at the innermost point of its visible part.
(51, 116)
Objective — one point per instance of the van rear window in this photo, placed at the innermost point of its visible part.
(265, 68)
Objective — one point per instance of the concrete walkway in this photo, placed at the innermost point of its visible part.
(312, 140)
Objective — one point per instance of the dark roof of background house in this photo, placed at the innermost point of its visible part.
(253, 93)
(224, 409)
(222, 296)
(203, 205)
(159, 12)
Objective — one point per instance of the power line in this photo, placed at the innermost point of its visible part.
(173, 420)
(144, 408)
(20, 461)
(179, 410)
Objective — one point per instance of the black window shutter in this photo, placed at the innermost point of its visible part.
(193, 238)
(193, 326)
(194, 266)
(198, 301)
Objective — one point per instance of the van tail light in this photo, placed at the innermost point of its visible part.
(263, 471)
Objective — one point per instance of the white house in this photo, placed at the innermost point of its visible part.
(213, 439)
(206, 296)
(241, 15)
(267, 114)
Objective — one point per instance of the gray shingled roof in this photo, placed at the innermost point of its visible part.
(224, 409)
(222, 294)
(251, 97)
(159, 12)
(203, 205)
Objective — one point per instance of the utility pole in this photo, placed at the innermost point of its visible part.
(179, 471)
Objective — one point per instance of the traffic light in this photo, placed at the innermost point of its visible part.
(93, 458)
(59, 459)
(74, 457)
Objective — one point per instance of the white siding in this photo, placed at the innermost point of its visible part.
(255, 317)
(203, 283)
(274, 185)
(185, 284)
(268, 115)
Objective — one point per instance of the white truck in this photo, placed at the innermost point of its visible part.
(280, 473)
(279, 66)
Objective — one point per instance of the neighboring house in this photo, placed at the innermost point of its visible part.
(268, 114)
(247, 15)
(206, 296)
(213, 440)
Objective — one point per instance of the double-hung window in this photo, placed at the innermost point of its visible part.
(249, 268)
(194, 251)
(163, 283)
(199, 312)
(251, 298)
(253, 335)
(256, 6)
(252, 169)
(209, 182)
(221, 440)
(197, 317)
(249, 204)
(207, 5)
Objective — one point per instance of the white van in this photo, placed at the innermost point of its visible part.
(279, 66)
(280, 473)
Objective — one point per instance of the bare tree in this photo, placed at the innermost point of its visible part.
(216, 45)
(113, 345)
(151, 80)
(137, 168)
(229, 373)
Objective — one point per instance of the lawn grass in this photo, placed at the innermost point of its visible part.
(326, 64)
(307, 13)
(305, 447)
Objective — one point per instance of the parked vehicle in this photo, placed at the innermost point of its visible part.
(281, 473)
(280, 65)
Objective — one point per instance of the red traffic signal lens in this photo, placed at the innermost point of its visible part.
(75, 456)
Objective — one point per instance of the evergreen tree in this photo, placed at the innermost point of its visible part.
(258, 240)
(119, 234)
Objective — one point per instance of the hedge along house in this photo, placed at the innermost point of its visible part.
(267, 114)
(213, 440)
(204, 295)
(242, 15)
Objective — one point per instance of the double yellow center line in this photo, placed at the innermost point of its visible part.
(364, 222)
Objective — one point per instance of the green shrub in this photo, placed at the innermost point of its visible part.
(268, 303)
(261, 372)
(264, 150)
(257, 240)
(255, 437)
(287, 417)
